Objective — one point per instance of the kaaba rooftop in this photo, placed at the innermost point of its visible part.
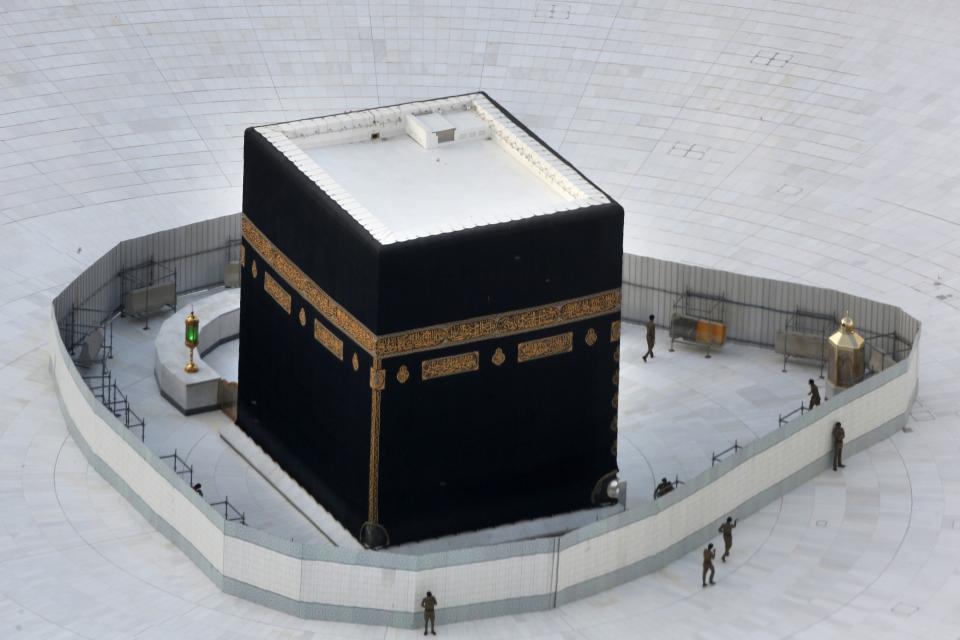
(379, 166)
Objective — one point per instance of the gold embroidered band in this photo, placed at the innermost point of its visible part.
(307, 288)
(325, 337)
(615, 331)
(544, 347)
(276, 292)
(436, 336)
(450, 365)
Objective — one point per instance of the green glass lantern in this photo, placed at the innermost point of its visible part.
(191, 339)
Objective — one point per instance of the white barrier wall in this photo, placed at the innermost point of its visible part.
(385, 588)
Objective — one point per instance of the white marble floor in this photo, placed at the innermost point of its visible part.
(676, 411)
(813, 142)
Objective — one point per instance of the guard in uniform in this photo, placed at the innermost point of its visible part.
(708, 555)
(838, 436)
(429, 605)
(814, 395)
(651, 338)
(727, 530)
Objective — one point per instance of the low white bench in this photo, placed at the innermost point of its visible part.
(219, 322)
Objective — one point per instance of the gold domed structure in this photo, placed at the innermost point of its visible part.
(846, 354)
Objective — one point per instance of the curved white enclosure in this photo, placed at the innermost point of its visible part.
(381, 587)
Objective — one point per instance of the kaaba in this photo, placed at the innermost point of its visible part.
(430, 318)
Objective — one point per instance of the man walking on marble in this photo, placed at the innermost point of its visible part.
(651, 338)
(708, 556)
(814, 394)
(727, 530)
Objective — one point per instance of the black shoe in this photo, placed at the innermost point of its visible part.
(723, 559)
(842, 466)
(834, 468)
(704, 584)
(712, 582)
(434, 632)
(644, 358)
(424, 633)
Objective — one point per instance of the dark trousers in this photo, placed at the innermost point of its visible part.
(650, 341)
(727, 544)
(837, 454)
(814, 402)
(706, 568)
(429, 617)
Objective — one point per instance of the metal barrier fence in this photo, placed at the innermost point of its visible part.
(755, 309)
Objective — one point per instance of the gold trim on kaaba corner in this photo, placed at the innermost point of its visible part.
(325, 337)
(615, 400)
(450, 365)
(355, 362)
(615, 331)
(545, 347)
(307, 288)
(616, 378)
(302, 316)
(378, 379)
(616, 354)
(278, 293)
(498, 357)
(243, 255)
(403, 374)
(591, 337)
(613, 424)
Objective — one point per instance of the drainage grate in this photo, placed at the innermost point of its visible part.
(551, 11)
(776, 59)
(904, 609)
(790, 190)
(692, 151)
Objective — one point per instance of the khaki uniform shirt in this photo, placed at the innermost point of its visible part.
(708, 556)
(838, 435)
(727, 530)
(429, 604)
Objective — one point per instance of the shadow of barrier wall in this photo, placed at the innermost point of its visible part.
(380, 587)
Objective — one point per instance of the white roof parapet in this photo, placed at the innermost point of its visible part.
(399, 194)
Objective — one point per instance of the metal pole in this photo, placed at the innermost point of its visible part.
(146, 306)
(823, 359)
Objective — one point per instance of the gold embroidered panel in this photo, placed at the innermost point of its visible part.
(615, 331)
(450, 365)
(499, 325)
(307, 288)
(278, 293)
(544, 347)
(325, 337)
(412, 341)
